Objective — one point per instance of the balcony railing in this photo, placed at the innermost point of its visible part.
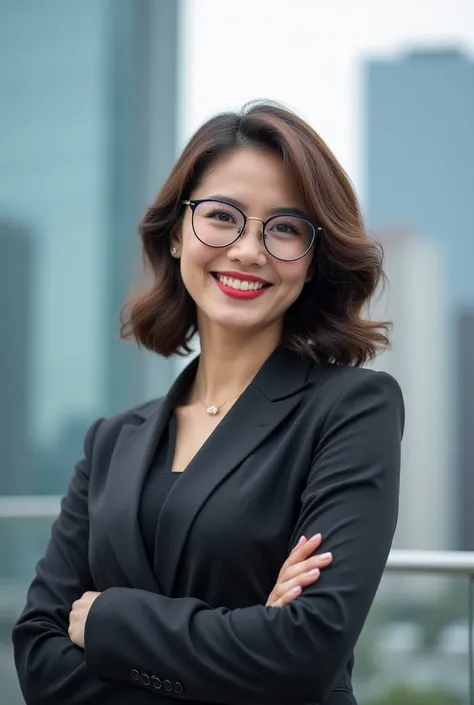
(447, 563)
(451, 563)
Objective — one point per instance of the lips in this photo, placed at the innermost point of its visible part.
(237, 279)
(240, 286)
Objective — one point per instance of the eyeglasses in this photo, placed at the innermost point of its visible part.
(219, 224)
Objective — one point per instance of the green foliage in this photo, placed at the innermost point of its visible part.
(405, 695)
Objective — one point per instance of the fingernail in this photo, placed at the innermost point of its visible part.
(302, 538)
(315, 571)
(296, 590)
(316, 537)
(324, 556)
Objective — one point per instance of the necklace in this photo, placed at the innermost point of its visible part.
(213, 410)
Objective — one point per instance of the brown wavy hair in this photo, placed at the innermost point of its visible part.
(327, 320)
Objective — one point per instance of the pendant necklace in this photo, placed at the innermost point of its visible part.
(213, 410)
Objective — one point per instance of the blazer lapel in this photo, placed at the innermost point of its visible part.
(131, 459)
(264, 405)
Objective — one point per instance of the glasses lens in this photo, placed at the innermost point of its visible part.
(288, 236)
(217, 224)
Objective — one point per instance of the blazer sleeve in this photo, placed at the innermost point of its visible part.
(51, 669)
(293, 654)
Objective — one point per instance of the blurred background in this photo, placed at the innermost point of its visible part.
(97, 99)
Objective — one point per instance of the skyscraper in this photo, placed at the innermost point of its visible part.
(465, 385)
(419, 175)
(419, 154)
(141, 116)
(16, 278)
(414, 300)
(88, 134)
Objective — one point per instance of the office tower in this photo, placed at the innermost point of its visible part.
(465, 416)
(141, 117)
(16, 276)
(419, 154)
(88, 132)
(414, 299)
(419, 172)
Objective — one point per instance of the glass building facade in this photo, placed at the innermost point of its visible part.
(87, 135)
(419, 179)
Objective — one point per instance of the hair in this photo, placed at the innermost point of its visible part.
(327, 321)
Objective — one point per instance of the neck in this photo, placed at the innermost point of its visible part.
(229, 361)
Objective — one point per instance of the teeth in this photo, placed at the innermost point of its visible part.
(241, 284)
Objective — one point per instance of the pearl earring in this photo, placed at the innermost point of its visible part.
(173, 250)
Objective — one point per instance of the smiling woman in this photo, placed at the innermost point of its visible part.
(263, 172)
(185, 560)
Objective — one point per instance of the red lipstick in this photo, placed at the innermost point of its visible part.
(243, 294)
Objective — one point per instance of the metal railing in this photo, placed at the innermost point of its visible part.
(402, 561)
(443, 563)
(29, 507)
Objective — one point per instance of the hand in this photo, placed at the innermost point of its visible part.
(298, 571)
(78, 616)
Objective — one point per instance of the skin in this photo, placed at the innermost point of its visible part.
(236, 336)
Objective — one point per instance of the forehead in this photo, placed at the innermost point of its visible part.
(253, 176)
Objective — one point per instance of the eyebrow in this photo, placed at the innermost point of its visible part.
(286, 210)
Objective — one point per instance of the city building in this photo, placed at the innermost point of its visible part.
(419, 170)
(465, 425)
(414, 300)
(418, 114)
(17, 275)
(89, 104)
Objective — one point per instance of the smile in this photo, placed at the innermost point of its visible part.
(243, 287)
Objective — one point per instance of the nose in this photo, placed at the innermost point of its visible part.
(249, 249)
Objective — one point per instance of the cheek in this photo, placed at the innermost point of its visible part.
(293, 274)
(194, 253)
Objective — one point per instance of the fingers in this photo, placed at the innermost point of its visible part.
(304, 548)
(287, 597)
(301, 568)
(302, 540)
(303, 574)
(320, 560)
(293, 588)
(295, 578)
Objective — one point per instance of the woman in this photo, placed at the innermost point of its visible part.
(170, 540)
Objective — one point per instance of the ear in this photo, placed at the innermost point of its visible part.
(176, 241)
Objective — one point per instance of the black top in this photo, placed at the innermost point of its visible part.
(159, 481)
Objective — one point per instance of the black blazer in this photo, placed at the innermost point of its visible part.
(307, 448)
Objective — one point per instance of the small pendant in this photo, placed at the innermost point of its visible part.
(212, 410)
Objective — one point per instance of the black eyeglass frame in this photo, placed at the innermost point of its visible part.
(195, 203)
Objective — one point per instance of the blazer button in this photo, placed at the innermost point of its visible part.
(156, 682)
(135, 674)
(167, 685)
(178, 688)
(145, 679)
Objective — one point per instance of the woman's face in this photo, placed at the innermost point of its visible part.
(225, 283)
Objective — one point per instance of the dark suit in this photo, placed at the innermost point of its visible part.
(305, 449)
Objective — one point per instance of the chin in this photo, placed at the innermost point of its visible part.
(240, 321)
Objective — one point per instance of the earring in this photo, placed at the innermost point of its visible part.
(173, 251)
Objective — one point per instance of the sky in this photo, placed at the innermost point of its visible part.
(306, 54)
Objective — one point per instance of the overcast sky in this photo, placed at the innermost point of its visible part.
(305, 53)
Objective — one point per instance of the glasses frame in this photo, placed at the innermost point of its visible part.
(195, 203)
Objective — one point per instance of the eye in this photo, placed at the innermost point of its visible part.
(286, 227)
(221, 215)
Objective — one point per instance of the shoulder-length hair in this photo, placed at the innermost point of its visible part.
(327, 321)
